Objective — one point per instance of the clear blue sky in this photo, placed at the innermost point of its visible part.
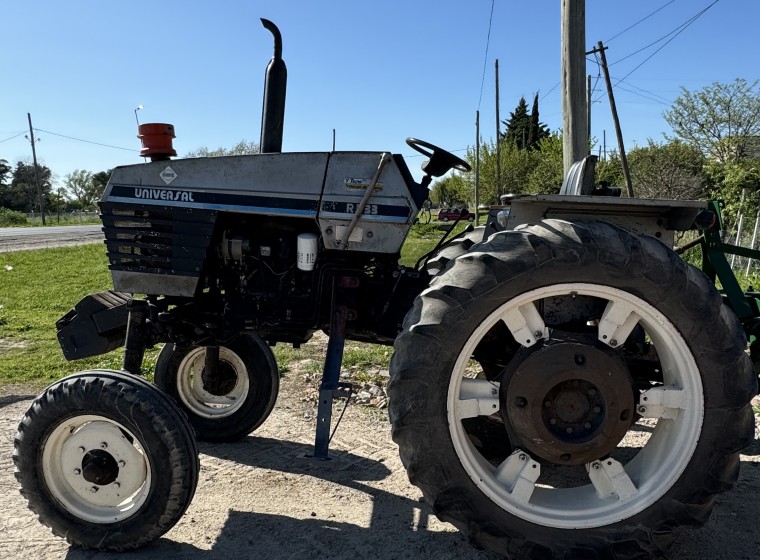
(376, 72)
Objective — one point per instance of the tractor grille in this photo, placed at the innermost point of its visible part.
(148, 244)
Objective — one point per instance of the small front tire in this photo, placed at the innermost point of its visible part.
(106, 460)
(242, 400)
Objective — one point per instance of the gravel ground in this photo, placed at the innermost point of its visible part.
(259, 499)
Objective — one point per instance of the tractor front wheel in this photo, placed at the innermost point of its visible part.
(236, 400)
(106, 460)
(613, 380)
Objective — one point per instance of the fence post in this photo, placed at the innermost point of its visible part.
(754, 238)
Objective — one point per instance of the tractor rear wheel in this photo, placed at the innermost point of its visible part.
(239, 398)
(106, 460)
(618, 379)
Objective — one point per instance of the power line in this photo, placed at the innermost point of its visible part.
(638, 22)
(485, 58)
(675, 32)
(12, 137)
(85, 141)
(683, 28)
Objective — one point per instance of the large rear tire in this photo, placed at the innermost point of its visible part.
(618, 377)
(106, 460)
(243, 398)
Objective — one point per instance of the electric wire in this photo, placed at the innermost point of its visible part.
(85, 141)
(683, 28)
(12, 137)
(638, 22)
(485, 58)
(675, 33)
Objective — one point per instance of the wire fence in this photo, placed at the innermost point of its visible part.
(745, 234)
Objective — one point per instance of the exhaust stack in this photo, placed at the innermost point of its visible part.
(275, 83)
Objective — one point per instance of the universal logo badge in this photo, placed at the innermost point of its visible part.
(168, 175)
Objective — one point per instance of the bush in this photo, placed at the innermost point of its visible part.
(11, 218)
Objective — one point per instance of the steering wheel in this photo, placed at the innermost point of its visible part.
(440, 160)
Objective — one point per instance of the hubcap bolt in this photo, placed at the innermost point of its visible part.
(597, 410)
(122, 463)
(569, 430)
(94, 489)
(552, 421)
(81, 449)
(587, 425)
(117, 484)
(521, 402)
(77, 471)
(103, 445)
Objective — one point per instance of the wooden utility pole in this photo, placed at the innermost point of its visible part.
(36, 173)
(477, 167)
(498, 140)
(623, 159)
(574, 118)
(588, 113)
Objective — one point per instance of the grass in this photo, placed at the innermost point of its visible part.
(38, 287)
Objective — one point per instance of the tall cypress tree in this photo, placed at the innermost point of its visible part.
(518, 125)
(538, 130)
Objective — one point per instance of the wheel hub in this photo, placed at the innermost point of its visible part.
(223, 380)
(99, 467)
(568, 401)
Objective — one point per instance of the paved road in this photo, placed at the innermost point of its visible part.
(22, 239)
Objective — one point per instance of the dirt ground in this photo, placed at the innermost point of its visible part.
(259, 498)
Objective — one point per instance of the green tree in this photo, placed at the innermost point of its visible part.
(673, 170)
(242, 148)
(21, 194)
(548, 171)
(737, 185)
(83, 189)
(5, 172)
(100, 180)
(518, 125)
(721, 120)
(538, 130)
(453, 190)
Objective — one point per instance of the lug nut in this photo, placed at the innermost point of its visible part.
(587, 425)
(122, 463)
(77, 471)
(117, 484)
(521, 402)
(94, 489)
(103, 445)
(82, 449)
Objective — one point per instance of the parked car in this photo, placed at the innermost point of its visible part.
(451, 214)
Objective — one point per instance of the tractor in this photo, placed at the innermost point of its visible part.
(563, 384)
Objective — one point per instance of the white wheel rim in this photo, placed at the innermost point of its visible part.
(197, 399)
(65, 454)
(516, 485)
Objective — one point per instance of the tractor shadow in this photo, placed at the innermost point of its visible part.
(398, 527)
